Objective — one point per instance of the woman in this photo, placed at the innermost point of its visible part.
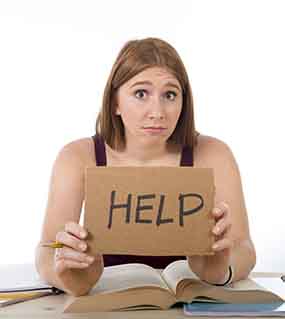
(146, 120)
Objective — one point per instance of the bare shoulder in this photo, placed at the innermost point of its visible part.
(212, 151)
(81, 149)
(215, 153)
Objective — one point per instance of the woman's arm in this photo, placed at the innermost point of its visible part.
(67, 268)
(235, 246)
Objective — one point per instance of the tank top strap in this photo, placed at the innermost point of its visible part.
(100, 151)
(186, 156)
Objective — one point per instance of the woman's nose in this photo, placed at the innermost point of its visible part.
(156, 115)
(156, 108)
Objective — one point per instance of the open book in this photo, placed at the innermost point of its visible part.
(138, 286)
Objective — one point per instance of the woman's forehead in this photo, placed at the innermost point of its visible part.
(155, 73)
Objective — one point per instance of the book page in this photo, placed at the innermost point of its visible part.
(127, 276)
(275, 285)
(258, 284)
(176, 272)
(244, 284)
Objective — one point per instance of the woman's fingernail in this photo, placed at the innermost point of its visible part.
(82, 246)
(216, 230)
(90, 259)
(82, 234)
(217, 211)
(215, 246)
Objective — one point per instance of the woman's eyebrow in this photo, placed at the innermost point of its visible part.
(150, 83)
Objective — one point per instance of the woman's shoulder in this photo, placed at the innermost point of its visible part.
(82, 149)
(206, 141)
(211, 150)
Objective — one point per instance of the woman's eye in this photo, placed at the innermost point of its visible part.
(171, 95)
(140, 93)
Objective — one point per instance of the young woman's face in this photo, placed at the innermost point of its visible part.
(149, 105)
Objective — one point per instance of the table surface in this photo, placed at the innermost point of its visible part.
(52, 307)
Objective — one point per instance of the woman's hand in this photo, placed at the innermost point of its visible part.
(73, 257)
(214, 268)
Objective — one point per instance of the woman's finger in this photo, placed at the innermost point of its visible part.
(220, 210)
(71, 254)
(71, 241)
(64, 264)
(222, 244)
(76, 230)
(222, 226)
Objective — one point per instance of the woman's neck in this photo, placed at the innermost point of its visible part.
(143, 153)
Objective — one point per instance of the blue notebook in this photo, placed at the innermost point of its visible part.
(205, 309)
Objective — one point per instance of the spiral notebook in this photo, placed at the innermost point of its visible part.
(19, 283)
(19, 278)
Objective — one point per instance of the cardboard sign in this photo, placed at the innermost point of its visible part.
(160, 211)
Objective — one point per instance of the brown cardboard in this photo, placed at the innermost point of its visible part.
(161, 224)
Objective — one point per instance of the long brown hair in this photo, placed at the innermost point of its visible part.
(134, 57)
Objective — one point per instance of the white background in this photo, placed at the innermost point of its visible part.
(55, 57)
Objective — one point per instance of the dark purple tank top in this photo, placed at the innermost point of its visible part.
(153, 261)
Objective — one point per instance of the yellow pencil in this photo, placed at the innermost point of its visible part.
(16, 295)
(15, 300)
(55, 244)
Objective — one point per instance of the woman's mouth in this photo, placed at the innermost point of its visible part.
(153, 129)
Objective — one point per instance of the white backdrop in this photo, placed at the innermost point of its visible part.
(55, 57)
